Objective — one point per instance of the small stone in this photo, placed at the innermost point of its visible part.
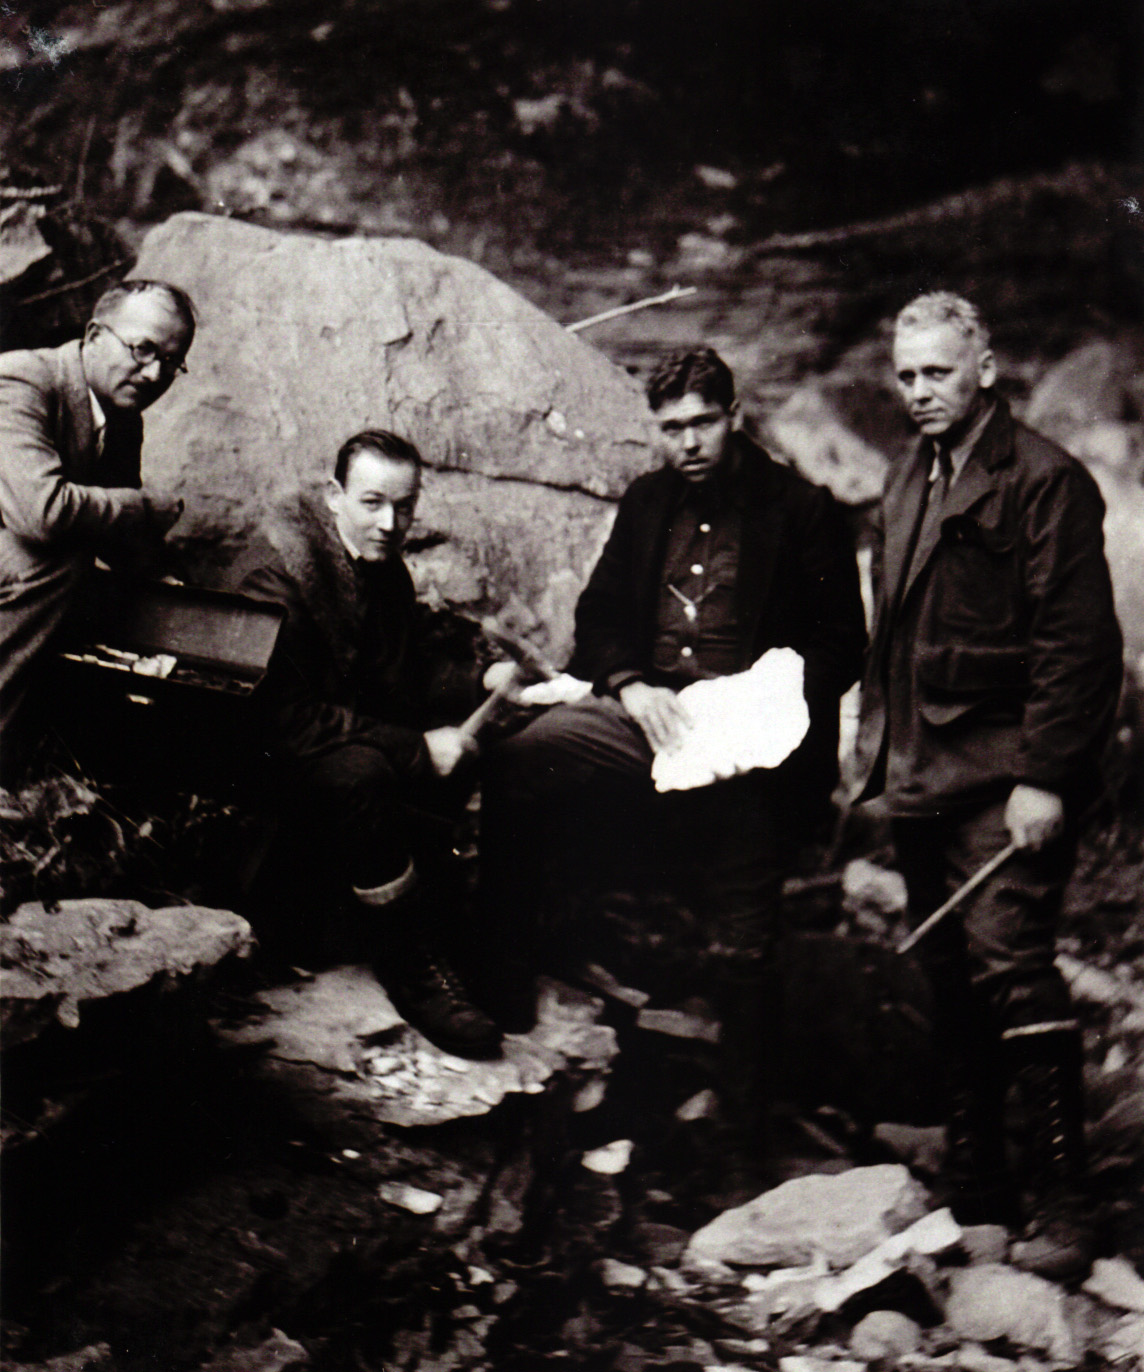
(410, 1198)
(678, 1024)
(921, 1149)
(885, 1334)
(700, 1106)
(1117, 1283)
(865, 885)
(658, 1243)
(611, 1159)
(620, 1274)
(275, 1354)
(985, 1243)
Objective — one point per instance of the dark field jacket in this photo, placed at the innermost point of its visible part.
(1016, 653)
(797, 587)
(347, 670)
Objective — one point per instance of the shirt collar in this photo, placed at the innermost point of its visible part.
(961, 454)
(98, 418)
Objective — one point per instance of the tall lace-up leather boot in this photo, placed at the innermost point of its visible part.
(976, 1172)
(1059, 1240)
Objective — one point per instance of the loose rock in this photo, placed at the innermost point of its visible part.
(1117, 1283)
(885, 1334)
(842, 1217)
(995, 1302)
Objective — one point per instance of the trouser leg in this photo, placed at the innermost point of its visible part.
(999, 998)
(966, 1032)
(730, 834)
(535, 787)
(379, 826)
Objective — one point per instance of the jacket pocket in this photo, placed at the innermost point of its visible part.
(978, 580)
(956, 678)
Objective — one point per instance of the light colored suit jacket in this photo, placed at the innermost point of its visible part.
(59, 501)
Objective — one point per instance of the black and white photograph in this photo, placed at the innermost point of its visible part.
(572, 685)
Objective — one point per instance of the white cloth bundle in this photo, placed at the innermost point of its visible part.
(753, 719)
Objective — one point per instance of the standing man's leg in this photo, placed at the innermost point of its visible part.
(999, 993)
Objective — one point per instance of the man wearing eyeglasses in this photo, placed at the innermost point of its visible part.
(70, 486)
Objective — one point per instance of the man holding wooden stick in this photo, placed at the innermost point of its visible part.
(990, 692)
(352, 685)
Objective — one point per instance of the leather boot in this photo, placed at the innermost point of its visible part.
(975, 1171)
(424, 988)
(1059, 1240)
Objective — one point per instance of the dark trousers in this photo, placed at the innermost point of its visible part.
(355, 816)
(588, 762)
(585, 770)
(991, 963)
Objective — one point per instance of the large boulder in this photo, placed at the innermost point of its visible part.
(303, 341)
(1092, 385)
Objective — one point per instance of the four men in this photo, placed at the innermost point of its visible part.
(990, 691)
(70, 437)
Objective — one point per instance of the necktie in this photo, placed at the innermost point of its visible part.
(930, 528)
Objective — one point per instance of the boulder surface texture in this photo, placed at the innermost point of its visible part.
(57, 961)
(303, 341)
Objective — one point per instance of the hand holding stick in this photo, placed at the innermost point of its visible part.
(981, 875)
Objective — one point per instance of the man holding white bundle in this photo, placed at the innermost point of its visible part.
(715, 559)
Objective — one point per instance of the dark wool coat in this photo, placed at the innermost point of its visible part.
(1012, 643)
(797, 587)
(351, 665)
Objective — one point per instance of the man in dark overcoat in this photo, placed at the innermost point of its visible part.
(713, 559)
(70, 486)
(362, 774)
(990, 691)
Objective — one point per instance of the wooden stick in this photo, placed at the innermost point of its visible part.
(982, 874)
(484, 710)
(520, 650)
(676, 293)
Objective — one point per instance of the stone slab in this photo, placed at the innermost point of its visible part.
(337, 1044)
(54, 963)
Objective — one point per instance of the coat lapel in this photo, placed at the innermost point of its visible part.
(764, 515)
(77, 404)
(902, 510)
(975, 481)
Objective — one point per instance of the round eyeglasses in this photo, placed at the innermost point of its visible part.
(146, 352)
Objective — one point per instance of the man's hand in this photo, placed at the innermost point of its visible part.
(498, 674)
(447, 746)
(1034, 817)
(658, 712)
